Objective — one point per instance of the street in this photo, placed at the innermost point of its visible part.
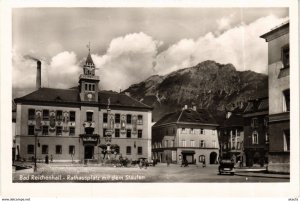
(160, 173)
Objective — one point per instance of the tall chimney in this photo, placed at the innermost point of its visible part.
(38, 75)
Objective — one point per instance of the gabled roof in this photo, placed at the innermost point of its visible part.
(71, 96)
(187, 116)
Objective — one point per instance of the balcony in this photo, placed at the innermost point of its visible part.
(94, 77)
(89, 124)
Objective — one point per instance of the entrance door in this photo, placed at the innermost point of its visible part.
(88, 152)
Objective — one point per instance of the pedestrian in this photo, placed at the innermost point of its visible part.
(186, 164)
(204, 164)
(168, 161)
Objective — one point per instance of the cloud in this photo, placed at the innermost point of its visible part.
(240, 45)
(224, 23)
(129, 59)
(134, 57)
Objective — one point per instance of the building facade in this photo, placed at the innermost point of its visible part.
(256, 145)
(231, 136)
(189, 135)
(279, 98)
(82, 122)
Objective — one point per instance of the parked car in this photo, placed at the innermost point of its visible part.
(226, 166)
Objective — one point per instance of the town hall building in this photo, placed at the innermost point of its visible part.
(81, 123)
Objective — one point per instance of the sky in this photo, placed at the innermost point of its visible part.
(128, 45)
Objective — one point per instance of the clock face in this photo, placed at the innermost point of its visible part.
(89, 96)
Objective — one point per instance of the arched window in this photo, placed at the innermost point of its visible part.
(255, 137)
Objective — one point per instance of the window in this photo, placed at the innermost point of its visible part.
(86, 87)
(201, 158)
(104, 117)
(255, 137)
(90, 87)
(192, 143)
(267, 137)
(140, 133)
(89, 116)
(104, 132)
(58, 149)
(140, 150)
(238, 145)
(202, 144)
(254, 123)
(45, 115)
(128, 150)
(166, 143)
(201, 131)
(140, 119)
(286, 140)
(30, 130)
(31, 114)
(72, 131)
(117, 118)
(117, 132)
(58, 130)
(286, 56)
(128, 118)
(30, 149)
(183, 143)
(45, 130)
(71, 149)
(286, 100)
(214, 144)
(44, 149)
(128, 133)
(72, 116)
(59, 115)
(93, 87)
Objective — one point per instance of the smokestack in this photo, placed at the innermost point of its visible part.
(38, 75)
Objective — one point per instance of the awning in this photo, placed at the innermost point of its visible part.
(187, 152)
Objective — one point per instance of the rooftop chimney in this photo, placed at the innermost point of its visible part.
(38, 75)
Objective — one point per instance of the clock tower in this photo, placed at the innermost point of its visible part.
(88, 81)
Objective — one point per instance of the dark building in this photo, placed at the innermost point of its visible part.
(256, 137)
(231, 135)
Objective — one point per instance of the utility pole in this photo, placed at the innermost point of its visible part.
(35, 150)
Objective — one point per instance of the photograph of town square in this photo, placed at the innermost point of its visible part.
(150, 95)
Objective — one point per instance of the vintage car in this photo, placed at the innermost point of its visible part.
(226, 166)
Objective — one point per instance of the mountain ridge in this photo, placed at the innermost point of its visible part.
(207, 85)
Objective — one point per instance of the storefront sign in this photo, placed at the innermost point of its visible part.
(89, 139)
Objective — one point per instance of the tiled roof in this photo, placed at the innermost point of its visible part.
(187, 116)
(72, 96)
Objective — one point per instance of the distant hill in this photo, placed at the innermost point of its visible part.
(208, 85)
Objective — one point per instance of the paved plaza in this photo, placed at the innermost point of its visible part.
(63, 173)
